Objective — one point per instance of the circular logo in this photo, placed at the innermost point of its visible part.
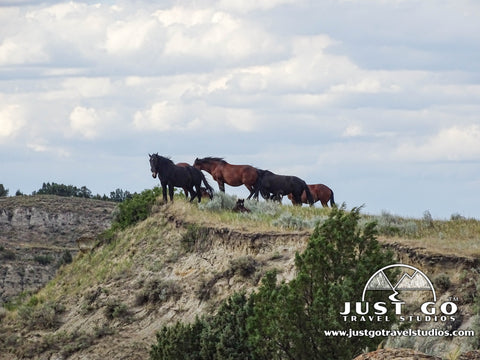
(409, 278)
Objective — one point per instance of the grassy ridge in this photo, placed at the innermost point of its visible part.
(457, 236)
(119, 274)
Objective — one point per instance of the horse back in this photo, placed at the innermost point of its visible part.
(237, 175)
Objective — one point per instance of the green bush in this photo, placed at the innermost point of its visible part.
(391, 225)
(192, 236)
(136, 208)
(36, 315)
(245, 266)
(43, 259)
(115, 309)
(442, 282)
(223, 336)
(220, 201)
(157, 291)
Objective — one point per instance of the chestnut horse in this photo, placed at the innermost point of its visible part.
(206, 193)
(319, 192)
(225, 173)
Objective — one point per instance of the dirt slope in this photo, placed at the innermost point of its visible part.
(109, 304)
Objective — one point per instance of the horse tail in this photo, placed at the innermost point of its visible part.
(258, 182)
(308, 193)
(332, 200)
(207, 185)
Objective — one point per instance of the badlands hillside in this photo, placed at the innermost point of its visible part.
(182, 261)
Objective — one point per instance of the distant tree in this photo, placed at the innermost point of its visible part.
(18, 193)
(85, 192)
(63, 190)
(3, 191)
(120, 195)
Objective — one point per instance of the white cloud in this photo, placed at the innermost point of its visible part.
(11, 121)
(214, 35)
(85, 121)
(20, 50)
(88, 87)
(454, 143)
(353, 131)
(161, 116)
(42, 146)
(244, 6)
(129, 36)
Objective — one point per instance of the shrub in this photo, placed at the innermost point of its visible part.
(428, 219)
(115, 309)
(43, 259)
(223, 336)
(7, 254)
(270, 208)
(245, 266)
(220, 201)
(136, 208)
(39, 316)
(288, 221)
(442, 282)
(457, 217)
(158, 291)
(391, 225)
(66, 258)
(193, 235)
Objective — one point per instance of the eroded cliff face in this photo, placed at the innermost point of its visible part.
(39, 233)
(173, 266)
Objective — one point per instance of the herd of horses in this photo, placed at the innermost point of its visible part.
(264, 182)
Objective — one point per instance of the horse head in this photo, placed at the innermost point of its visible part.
(153, 164)
(197, 164)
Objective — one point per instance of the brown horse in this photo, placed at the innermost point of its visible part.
(225, 173)
(205, 193)
(319, 192)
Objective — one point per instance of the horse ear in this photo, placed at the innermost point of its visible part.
(149, 155)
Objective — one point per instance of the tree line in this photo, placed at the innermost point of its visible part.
(53, 188)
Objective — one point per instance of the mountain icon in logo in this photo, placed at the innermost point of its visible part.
(418, 281)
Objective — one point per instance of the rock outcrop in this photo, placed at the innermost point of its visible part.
(39, 233)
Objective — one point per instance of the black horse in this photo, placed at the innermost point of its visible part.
(273, 186)
(172, 175)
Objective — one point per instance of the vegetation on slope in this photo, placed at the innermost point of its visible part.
(285, 321)
(133, 276)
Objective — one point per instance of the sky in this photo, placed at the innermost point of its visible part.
(378, 99)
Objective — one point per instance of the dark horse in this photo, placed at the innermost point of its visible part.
(172, 175)
(319, 192)
(225, 173)
(273, 186)
(205, 193)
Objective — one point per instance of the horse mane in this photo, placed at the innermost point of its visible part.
(212, 158)
(163, 159)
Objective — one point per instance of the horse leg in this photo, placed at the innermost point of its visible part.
(199, 192)
(185, 190)
(298, 199)
(194, 193)
(252, 191)
(221, 186)
(170, 192)
(164, 192)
